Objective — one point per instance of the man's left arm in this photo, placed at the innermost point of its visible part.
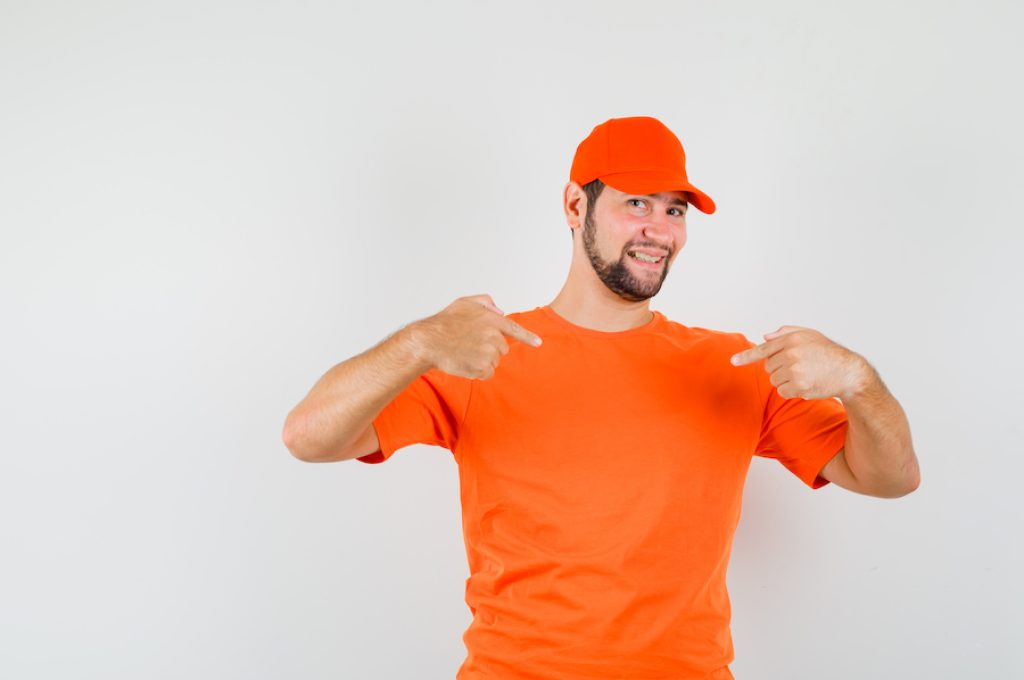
(877, 458)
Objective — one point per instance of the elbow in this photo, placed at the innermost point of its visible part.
(905, 487)
(898, 492)
(293, 439)
(914, 483)
(302, 446)
(913, 477)
(896, 483)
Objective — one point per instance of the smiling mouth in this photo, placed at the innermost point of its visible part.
(650, 263)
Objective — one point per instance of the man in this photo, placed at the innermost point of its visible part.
(602, 448)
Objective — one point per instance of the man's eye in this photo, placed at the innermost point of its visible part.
(680, 211)
(638, 200)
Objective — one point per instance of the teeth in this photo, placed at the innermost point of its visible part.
(645, 258)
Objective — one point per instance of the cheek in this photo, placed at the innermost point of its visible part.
(680, 238)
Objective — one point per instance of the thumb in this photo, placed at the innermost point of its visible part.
(487, 302)
(782, 330)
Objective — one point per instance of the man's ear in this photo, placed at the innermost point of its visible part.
(574, 202)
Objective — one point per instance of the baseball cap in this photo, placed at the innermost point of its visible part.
(636, 155)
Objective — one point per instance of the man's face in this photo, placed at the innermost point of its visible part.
(620, 224)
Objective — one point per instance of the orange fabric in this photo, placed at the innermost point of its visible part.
(601, 477)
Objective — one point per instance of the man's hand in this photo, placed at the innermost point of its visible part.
(804, 363)
(467, 338)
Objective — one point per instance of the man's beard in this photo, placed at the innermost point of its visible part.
(617, 275)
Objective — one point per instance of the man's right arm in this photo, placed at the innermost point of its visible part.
(334, 421)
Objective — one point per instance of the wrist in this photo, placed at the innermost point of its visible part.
(863, 379)
(413, 338)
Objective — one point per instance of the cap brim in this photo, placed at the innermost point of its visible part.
(653, 183)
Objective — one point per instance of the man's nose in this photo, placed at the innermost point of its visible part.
(659, 230)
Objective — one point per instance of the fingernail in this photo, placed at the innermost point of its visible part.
(536, 342)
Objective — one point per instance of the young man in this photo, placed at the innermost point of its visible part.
(602, 448)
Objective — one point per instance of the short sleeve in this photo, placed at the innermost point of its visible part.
(430, 410)
(802, 434)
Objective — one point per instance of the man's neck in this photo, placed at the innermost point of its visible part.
(608, 316)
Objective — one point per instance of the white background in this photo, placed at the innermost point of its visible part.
(206, 205)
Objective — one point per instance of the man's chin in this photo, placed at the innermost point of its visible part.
(639, 295)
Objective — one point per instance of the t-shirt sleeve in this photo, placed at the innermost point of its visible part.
(802, 434)
(430, 410)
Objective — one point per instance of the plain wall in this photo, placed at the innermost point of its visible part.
(206, 205)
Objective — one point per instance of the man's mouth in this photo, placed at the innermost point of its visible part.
(646, 259)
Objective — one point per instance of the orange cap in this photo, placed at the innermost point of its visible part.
(636, 155)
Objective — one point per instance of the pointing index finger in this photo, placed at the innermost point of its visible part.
(510, 327)
(762, 351)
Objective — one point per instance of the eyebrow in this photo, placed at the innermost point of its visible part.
(675, 200)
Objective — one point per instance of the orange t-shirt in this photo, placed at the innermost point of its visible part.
(601, 476)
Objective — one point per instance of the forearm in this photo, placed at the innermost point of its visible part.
(878, 446)
(346, 399)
